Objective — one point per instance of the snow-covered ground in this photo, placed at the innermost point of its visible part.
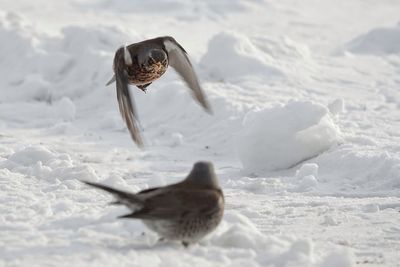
(305, 135)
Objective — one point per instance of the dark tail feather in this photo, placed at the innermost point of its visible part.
(122, 196)
(129, 215)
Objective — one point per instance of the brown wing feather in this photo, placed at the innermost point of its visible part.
(126, 107)
(175, 203)
(179, 60)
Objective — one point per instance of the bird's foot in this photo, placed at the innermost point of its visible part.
(185, 244)
(143, 87)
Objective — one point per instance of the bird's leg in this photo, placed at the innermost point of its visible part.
(185, 244)
(161, 239)
(143, 87)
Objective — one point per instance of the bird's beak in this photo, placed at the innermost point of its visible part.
(111, 80)
(127, 57)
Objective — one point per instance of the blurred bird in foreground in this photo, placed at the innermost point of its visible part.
(185, 211)
(142, 63)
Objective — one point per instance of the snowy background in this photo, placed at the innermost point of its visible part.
(305, 136)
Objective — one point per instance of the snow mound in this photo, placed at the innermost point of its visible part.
(238, 232)
(66, 109)
(190, 9)
(42, 68)
(283, 47)
(391, 96)
(307, 169)
(31, 155)
(343, 259)
(379, 41)
(307, 176)
(283, 136)
(337, 106)
(231, 55)
(40, 162)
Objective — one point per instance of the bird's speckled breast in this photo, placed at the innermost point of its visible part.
(189, 230)
(139, 75)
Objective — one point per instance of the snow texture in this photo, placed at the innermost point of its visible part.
(230, 56)
(377, 41)
(304, 134)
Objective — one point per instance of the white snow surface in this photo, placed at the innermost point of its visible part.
(304, 134)
(281, 137)
(377, 41)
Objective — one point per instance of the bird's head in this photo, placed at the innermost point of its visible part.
(203, 174)
(156, 56)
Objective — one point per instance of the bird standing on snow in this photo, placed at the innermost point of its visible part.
(142, 63)
(185, 211)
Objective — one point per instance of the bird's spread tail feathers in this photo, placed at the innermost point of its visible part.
(132, 201)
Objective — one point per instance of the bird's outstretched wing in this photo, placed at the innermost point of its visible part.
(126, 107)
(179, 60)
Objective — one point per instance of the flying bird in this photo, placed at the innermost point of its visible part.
(142, 63)
(185, 211)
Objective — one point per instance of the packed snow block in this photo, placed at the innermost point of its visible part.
(281, 137)
(231, 56)
(377, 41)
